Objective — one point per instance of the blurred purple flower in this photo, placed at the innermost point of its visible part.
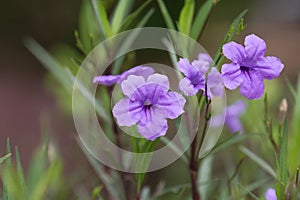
(232, 117)
(195, 77)
(271, 194)
(109, 80)
(249, 66)
(148, 103)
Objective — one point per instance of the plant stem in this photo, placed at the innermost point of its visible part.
(194, 170)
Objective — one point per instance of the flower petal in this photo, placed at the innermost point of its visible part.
(159, 79)
(252, 86)
(185, 67)
(130, 85)
(205, 57)
(269, 67)
(255, 47)
(172, 103)
(234, 52)
(107, 80)
(231, 75)
(215, 83)
(271, 194)
(121, 113)
(234, 124)
(201, 65)
(158, 127)
(138, 71)
(187, 87)
(236, 109)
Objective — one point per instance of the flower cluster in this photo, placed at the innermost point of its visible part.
(195, 77)
(148, 102)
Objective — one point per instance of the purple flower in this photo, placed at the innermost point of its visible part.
(109, 80)
(195, 77)
(249, 66)
(271, 194)
(232, 117)
(148, 103)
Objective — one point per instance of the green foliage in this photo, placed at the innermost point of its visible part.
(235, 28)
(200, 19)
(44, 178)
(186, 17)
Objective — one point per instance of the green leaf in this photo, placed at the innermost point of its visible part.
(129, 40)
(234, 28)
(259, 161)
(2, 159)
(282, 168)
(101, 17)
(48, 178)
(231, 140)
(178, 151)
(201, 19)
(88, 27)
(63, 75)
(111, 181)
(8, 165)
(143, 163)
(97, 192)
(292, 89)
(166, 15)
(120, 14)
(205, 175)
(186, 17)
(20, 175)
(37, 167)
(47, 60)
(134, 18)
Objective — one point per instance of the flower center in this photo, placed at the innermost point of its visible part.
(147, 104)
(244, 68)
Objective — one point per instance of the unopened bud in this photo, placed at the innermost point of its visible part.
(283, 108)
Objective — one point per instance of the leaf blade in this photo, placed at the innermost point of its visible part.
(259, 161)
(186, 17)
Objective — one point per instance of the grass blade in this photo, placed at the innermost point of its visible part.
(135, 17)
(20, 175)
(186, 17)
(282, 168)
(120, 14)
(235, 28)
(2, 159)
(101, 18)
(201, 18)
(47, 60)
(8, 166)
(117, 65)
(259, 161)
(166, 15)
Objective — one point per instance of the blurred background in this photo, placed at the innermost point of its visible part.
(27, 103)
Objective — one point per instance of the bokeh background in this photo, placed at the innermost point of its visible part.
(28, 105)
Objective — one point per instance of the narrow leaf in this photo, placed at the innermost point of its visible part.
(135, 17)
(101, 17)
(232, 31)
(282, 169)
(120, 14)
(166, 15)
(186, 17)
(8, 163)
(117, 65)
(259, 161)
(201, 18)
(2, 159)
(20, 175)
